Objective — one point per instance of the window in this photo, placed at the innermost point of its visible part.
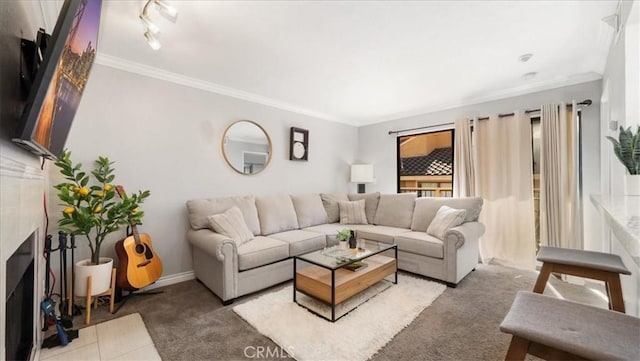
(425, 164)
(535, 151)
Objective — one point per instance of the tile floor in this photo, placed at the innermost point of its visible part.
(125, 338)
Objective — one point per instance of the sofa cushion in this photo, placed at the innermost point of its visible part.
(231, 224)
(261, 251)
(379, 233)
(330, 203)
(301, 242)
(309, 209)
(427, 207)
(445, 219)
(352, 212)
(330, 230)
(199, 209)
(371, 203)
(420, 243)
(395, 210)
(276, 214)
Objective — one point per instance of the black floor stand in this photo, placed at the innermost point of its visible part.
(123, 299)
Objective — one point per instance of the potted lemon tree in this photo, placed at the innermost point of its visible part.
(627, 149)
(92, 210)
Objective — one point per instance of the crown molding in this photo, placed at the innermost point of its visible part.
(490, 96)
(152, 72)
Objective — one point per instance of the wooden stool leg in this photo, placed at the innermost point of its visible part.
(543, 277)
(517, 349)
(112, 294)
(87, 318)
(615, 293)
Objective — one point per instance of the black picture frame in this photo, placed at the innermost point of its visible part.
(298, 144)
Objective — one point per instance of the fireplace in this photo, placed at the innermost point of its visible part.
(19, 332)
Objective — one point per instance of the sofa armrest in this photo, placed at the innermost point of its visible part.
(212, 243)
(468, 230)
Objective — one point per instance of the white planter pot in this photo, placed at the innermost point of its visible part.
(100, 276)
(632, 184)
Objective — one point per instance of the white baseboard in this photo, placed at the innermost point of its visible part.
(171, 279)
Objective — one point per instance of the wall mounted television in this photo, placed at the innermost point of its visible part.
(60, 80)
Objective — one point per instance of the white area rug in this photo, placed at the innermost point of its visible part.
(356, 336)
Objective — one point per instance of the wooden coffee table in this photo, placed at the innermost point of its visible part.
(325, 275)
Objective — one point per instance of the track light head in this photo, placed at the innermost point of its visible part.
(153, 42)
(168, 9)
(151, 27)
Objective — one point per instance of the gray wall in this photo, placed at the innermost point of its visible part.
(167, 138)
(377, 147)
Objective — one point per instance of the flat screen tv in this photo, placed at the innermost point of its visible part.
(60, 80)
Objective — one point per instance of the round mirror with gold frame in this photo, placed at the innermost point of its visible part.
(246, 147)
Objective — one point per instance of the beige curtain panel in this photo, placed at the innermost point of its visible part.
(560, 203)
(503, 164)
(463, 173)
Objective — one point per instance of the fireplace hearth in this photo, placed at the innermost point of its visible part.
(19, 332)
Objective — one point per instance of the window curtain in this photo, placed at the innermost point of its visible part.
(560, 203)
(503, 166)
(463, 173)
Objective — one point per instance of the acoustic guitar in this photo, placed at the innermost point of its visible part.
(138, 264)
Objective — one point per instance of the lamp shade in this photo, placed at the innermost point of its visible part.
(362, 173)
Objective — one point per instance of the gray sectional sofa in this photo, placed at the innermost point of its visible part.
(287, 225)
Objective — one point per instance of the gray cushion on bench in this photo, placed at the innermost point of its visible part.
(582, 330)
(577, 257)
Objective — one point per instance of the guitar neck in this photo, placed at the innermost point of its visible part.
(136, 234)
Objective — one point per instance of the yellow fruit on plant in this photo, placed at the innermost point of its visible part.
(75, 188)
(107, 187)
(84, 191)
(97, 209)
(135, 210)
(69, 210)
(99, 194)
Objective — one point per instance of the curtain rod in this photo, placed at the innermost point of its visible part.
(585, 102)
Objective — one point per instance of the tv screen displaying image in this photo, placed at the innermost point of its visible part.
(61, 79)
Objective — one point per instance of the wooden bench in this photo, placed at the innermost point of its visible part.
(595, 265)
(555, 329)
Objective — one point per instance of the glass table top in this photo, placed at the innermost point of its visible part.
(335, 257)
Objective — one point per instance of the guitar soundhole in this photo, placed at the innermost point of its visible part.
(140, 248)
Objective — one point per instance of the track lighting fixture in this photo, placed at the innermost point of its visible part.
(152, 28)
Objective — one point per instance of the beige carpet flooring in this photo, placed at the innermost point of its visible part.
(188, 322)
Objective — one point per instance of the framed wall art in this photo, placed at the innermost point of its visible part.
(299, 144)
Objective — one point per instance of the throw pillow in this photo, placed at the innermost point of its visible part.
(231, 224)
(370, 203)
(445, 219)
(309, 210)
(352, 212)
(330, 203)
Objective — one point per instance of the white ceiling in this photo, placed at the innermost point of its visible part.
(364, 62)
